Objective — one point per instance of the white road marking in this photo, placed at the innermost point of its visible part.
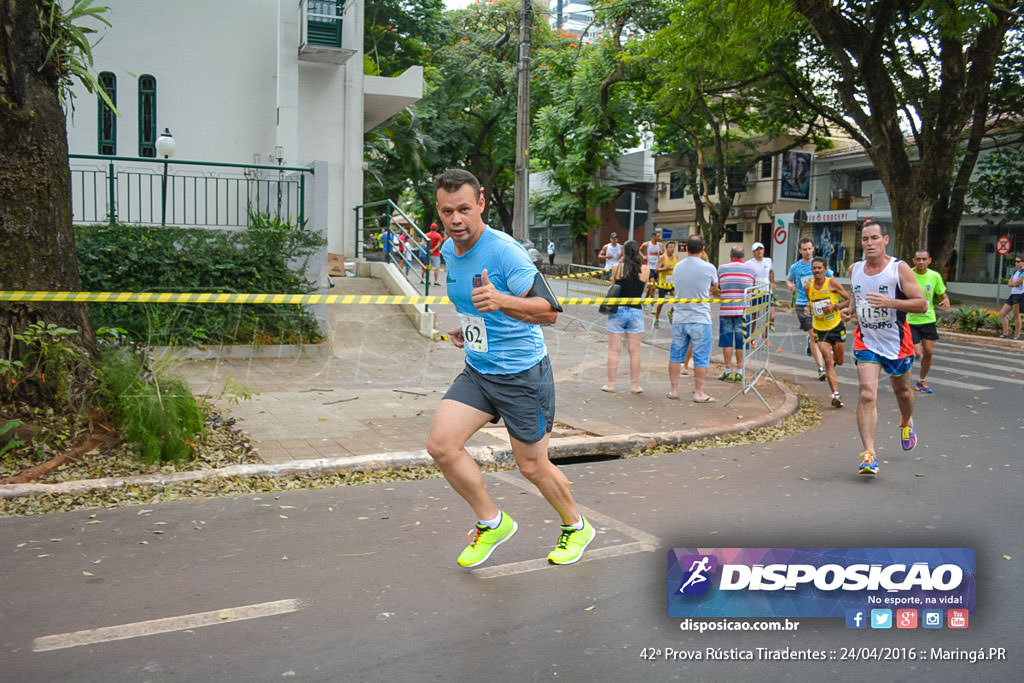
(138, 629)
(538, 564)
(782, 369)
(990, 364)
(643, 543)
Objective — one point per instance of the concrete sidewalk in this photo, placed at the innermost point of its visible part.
(377, 390)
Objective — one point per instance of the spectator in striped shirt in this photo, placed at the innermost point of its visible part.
(733, 279)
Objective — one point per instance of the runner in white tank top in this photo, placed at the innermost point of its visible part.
(885, 331)
(884, 291)
(653, 251)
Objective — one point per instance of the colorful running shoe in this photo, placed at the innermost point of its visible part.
(869, 464)
(483, 540)
(822, 374)
(922, 386)
(726, 376)
(837, 402)
(908, 437)
(736, 377)
(572, 543)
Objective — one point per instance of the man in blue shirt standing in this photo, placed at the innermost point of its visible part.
(797, 279)
(501, 302)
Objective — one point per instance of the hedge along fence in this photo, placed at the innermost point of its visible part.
(269, 256)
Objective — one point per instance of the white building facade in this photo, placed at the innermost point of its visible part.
(246, 82)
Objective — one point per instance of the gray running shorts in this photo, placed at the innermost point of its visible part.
(524, 400)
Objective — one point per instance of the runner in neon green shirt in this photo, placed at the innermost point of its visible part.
(922, 325)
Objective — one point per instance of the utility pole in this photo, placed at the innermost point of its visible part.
(521, 198)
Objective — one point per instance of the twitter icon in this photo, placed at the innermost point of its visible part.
(881, 618)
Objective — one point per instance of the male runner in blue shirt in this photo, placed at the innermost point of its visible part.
(501, 301)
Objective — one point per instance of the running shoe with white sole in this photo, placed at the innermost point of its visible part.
(837, 402)
(483, 540)
(572, 543)
(822, 374)
(868, 464)
(908, 437)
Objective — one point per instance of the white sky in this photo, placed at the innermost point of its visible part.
(457, 4)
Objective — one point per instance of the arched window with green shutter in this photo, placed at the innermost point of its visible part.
(106, 121)
(147, 116)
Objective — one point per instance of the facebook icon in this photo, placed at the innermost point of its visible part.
(856, 618)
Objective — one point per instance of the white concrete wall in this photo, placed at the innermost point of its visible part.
(214, 64)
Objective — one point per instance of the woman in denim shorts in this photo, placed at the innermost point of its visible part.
(632, 273)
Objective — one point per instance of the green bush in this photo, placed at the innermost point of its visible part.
(154, 413)
(971, 318)
(270, 256)
(44, 361)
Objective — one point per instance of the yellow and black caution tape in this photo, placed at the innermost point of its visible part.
(216, 298)
(334, 299)
(594, 275)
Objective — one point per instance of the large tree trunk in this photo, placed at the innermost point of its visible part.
(37, 242)
(876, 100)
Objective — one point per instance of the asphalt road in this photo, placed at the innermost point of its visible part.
(360, 583)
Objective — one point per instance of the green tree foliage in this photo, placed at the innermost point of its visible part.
(401, 33)
(911, 82)
(465, 119)
(997, 192)
(594, 115)
(720, 107)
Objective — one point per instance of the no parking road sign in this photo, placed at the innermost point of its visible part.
(1003, 245)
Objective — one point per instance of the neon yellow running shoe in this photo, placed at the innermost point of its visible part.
(483, 540)
(572, 543)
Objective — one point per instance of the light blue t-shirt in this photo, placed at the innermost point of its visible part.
(800, 273)
(693, 277)
(511, 345)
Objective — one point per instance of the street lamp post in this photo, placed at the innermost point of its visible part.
(278, 155)
(165, 146)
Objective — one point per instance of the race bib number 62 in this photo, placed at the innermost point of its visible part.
(474, 332)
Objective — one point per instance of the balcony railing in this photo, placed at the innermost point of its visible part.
(321, 39)
(141, 190)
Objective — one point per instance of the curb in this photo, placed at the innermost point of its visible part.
(570, 447)
(981, 339)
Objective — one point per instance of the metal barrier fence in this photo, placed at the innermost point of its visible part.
(756, 342)
(140, 190)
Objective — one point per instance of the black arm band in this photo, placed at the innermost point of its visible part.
(542, 289)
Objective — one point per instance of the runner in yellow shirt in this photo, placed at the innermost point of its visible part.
(665, 286)
(825, 296)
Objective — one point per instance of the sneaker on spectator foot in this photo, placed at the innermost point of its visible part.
(483, 540)
(572, 543)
